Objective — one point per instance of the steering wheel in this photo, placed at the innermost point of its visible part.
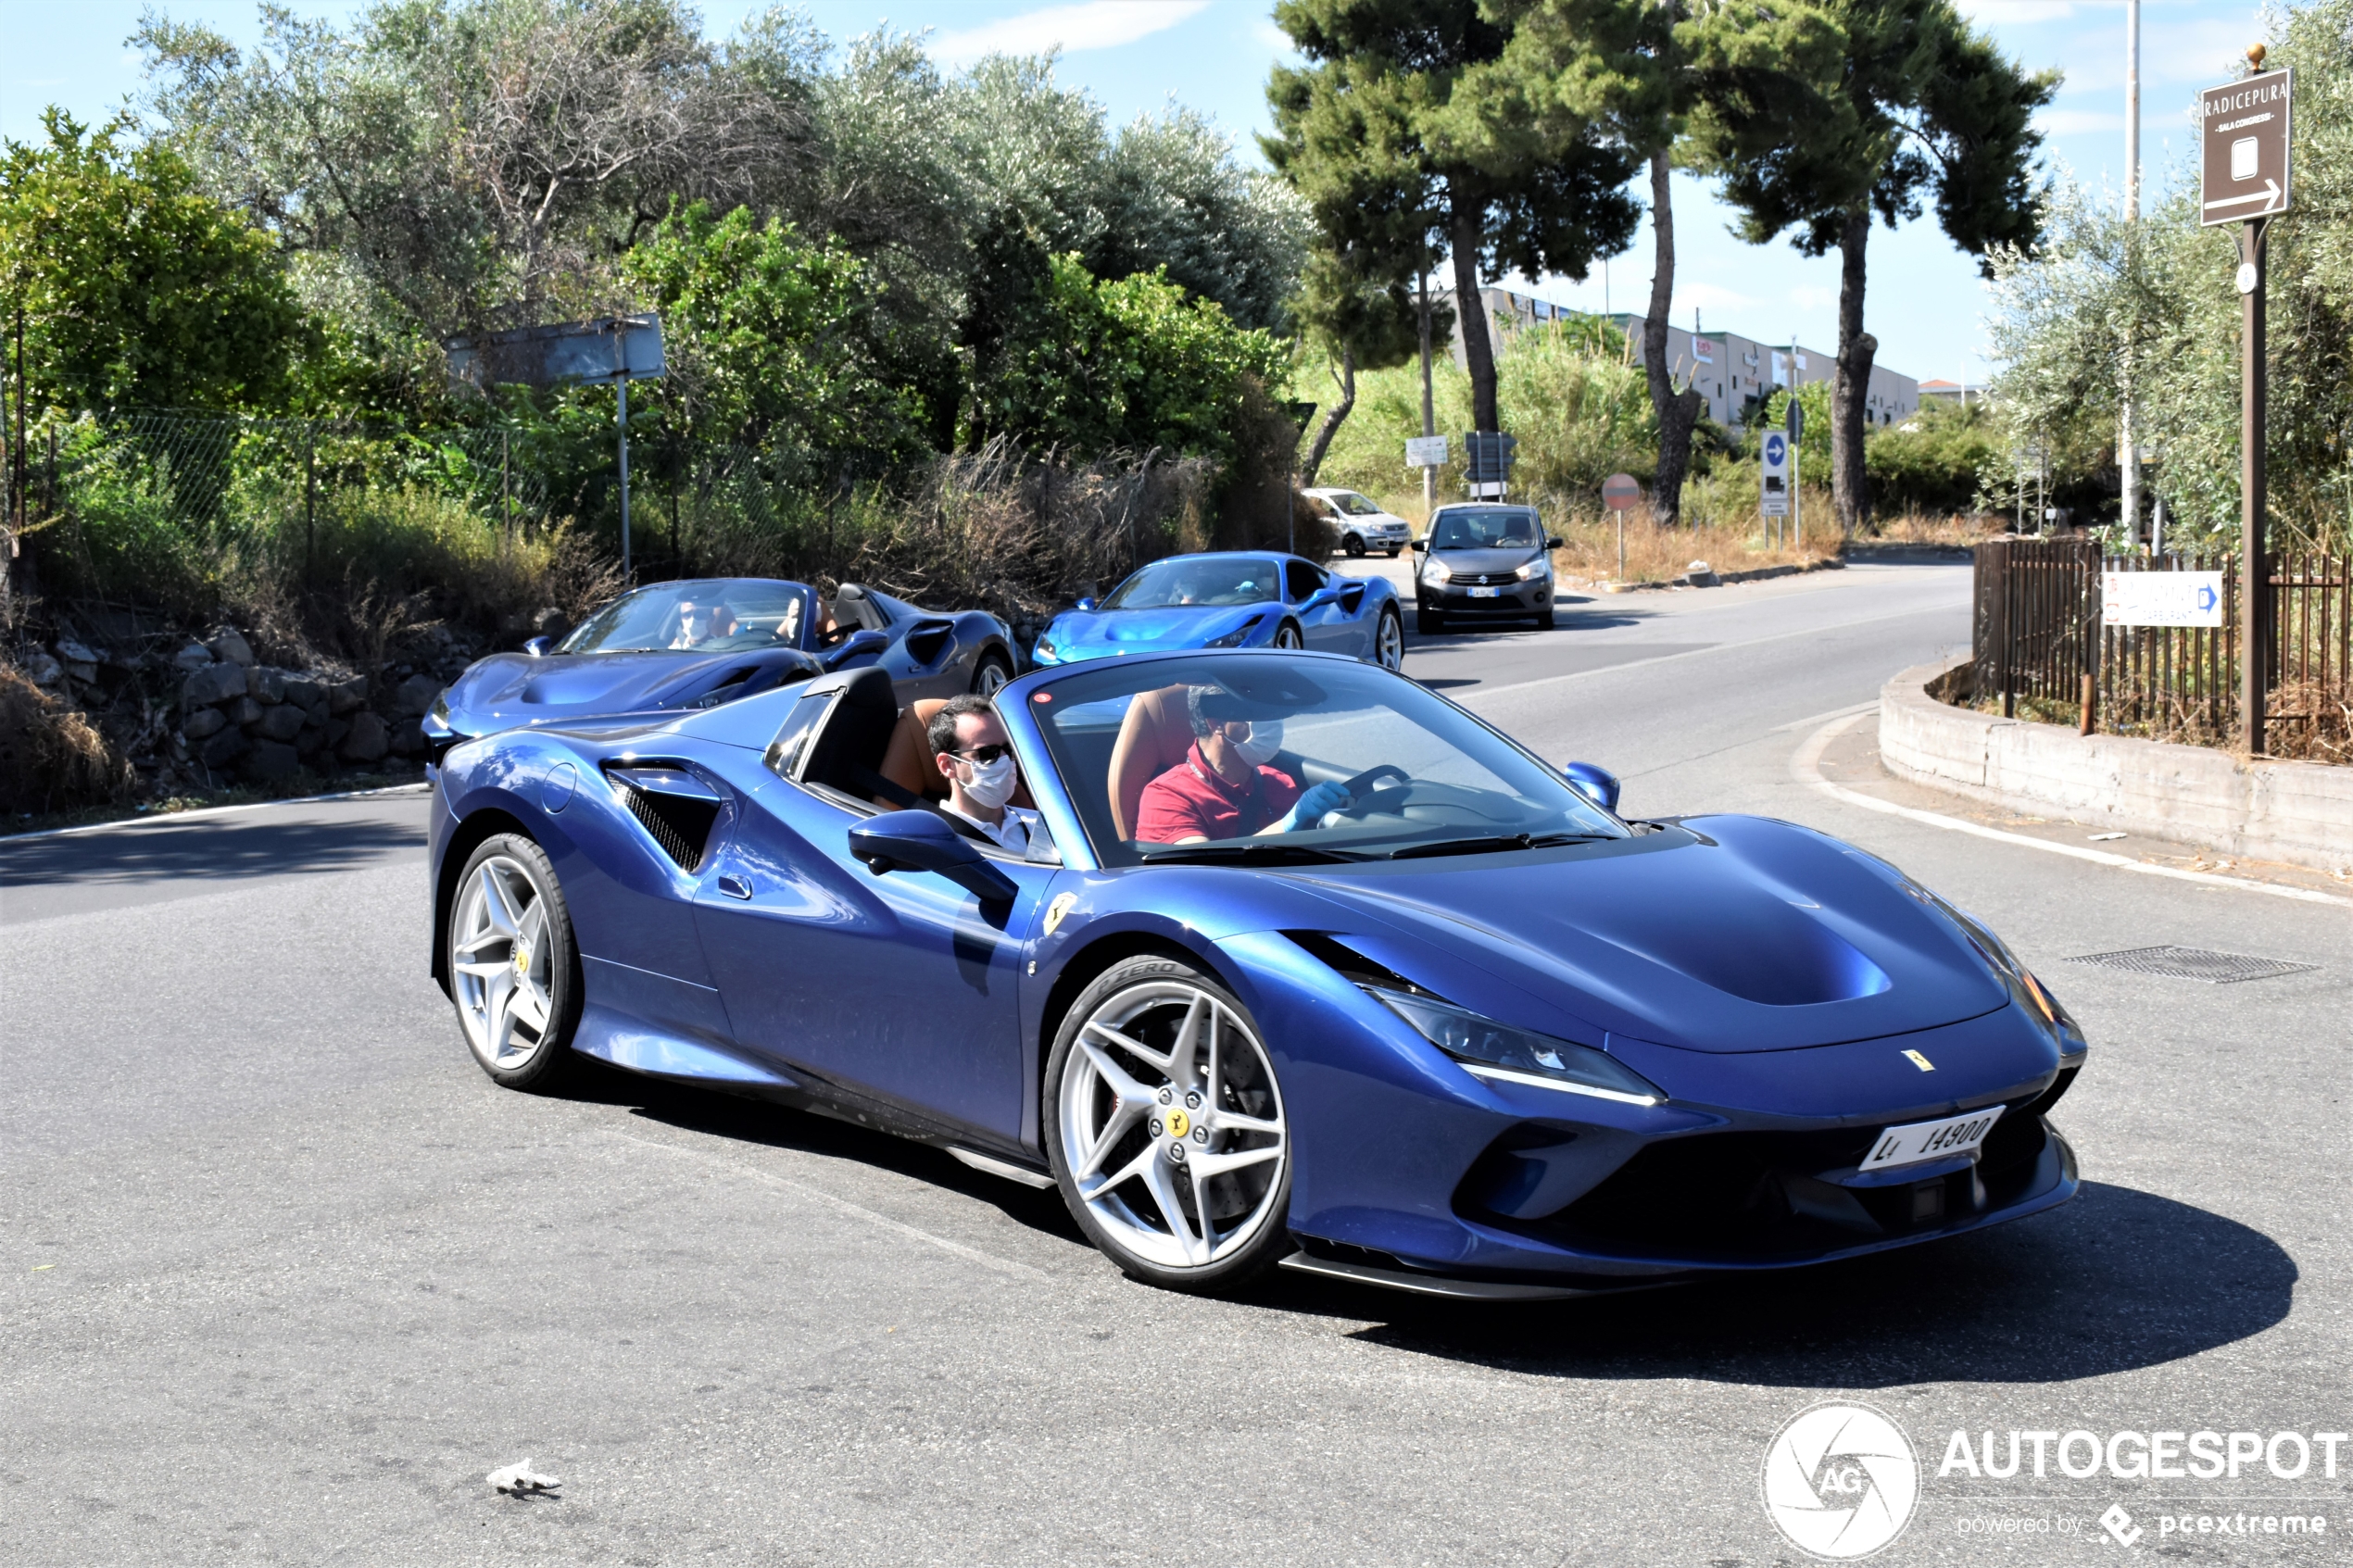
(1362, 785)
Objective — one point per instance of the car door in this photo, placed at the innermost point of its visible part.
(1334, 625)
(903, 988)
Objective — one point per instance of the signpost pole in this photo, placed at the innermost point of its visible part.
(1429, 421)
(2254, 567)
(622, 383)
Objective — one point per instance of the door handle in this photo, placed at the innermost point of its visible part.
(735, 888)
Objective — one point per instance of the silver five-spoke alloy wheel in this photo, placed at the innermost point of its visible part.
(502, 956)
(1389, 642)
(1170, 1126)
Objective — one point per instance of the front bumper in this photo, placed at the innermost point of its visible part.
(1516, 600)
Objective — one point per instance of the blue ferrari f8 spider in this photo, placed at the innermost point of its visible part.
(1233, 600)
(1302, 966)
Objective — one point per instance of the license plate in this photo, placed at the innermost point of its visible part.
(1931, 1140)
(1485, 593)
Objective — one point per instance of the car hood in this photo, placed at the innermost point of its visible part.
(511, 689)
(1085, 634)
(1482, 563)
(1730, 934)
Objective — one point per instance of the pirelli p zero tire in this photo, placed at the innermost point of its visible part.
(514, 968)
(1165, 1129)
(990, 673)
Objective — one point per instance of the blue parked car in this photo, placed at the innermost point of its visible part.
(700, 641)
(1304, 966)
(1233, 600)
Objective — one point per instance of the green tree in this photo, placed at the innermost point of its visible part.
(1131, 363)
(771, 336)
(137, 288)
(1358, 314)
(1816, 114)
(1410, 129)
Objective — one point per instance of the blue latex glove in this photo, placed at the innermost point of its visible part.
(1310, 808)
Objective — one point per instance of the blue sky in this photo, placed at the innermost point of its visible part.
(1136, 55)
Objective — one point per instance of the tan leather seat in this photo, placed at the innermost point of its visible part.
(910, 763)
(1153, 738)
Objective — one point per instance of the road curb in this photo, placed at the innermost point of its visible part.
(153, 819)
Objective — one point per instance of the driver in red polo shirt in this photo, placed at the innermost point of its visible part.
(1223, 788)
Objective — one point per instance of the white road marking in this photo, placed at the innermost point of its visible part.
(1476, 693)
(157, 817)
(970, 1254)
(1813, 718)
(1806, 765)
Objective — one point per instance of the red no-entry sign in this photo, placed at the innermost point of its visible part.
(1620, 491)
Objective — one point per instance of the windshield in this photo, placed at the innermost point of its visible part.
(1263, 758)
(1200, 580)
(1497, 530)
(725, 616)
(1354, 504)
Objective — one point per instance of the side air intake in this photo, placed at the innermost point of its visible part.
(673, 805)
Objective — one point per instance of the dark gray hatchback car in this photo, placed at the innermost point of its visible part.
(1483, 560)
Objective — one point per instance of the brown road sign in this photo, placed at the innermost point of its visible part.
(2242, 131)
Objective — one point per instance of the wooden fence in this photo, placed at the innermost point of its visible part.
(2037, 634)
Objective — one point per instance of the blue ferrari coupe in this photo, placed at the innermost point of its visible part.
(1233, 600)
(1303, 965)
(697, 643)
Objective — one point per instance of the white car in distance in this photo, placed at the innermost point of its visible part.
(1362, 526)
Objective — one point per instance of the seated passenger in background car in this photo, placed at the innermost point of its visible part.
(1223, 788)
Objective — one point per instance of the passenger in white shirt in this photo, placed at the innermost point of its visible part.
(977, 758)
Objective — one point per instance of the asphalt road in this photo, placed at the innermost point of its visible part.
(286, 1275)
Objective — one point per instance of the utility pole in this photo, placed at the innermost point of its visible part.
(623, 421)
(2128, 451)
(1429, 418)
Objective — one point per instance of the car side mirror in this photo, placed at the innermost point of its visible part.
(922, 841)
(1420, 546)
(1552, 542)
(540, 647)
(1086, 604)
(1319, 599)
(864, 641)
(1596, 785)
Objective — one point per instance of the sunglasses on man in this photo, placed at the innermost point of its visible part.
(984, 755)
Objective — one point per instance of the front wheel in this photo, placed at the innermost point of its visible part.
(514, 967)
(1544, 621)
(1289, 637)
(1389, 639)
(1354, 544)
(990, 673)
(1395, 550)
(1165, 1127)
(1428, 623)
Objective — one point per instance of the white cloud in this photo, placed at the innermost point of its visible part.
(2015, 13)
(1097, 24)
(1708, 296)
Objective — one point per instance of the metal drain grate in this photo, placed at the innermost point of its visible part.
(2195, 964)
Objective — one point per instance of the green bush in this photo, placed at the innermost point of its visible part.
(1933, 461)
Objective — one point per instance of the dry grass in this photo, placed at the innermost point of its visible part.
(51, 757)
(1589, 550)
(2310, 722)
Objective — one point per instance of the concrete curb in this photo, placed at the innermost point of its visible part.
(2300, 813)
(1713, 579)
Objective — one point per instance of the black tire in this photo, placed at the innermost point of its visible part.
(556, 967)
(1288, 636)
(1260, 1206)
(1354, 545)
(1544, 621)
(1395, 550)
(991, 671)
(1428, 623)
(1390, 621)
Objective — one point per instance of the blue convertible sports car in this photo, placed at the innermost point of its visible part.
(1305, 966)
(1233, 600)
(701, 642)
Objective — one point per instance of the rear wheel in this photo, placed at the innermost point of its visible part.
(1354, 544)
(1289, 637)
(1428, 623)
(514, 968)
(1165, 1127)
(1389, 639)
(990, 673)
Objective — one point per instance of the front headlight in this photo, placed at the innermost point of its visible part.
(2032, 997)
(438, 714)
(1533, 570)
(1488, 1049)
(1047, 653)
(1238, 636)
(1436, 570)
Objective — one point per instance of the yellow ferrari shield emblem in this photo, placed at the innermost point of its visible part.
(1920, 1062)
(1179, 1125)
(522, 960)
(1059, 908)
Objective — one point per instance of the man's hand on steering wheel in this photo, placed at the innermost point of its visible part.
(1308, 810)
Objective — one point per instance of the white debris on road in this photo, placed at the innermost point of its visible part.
(519, 1480)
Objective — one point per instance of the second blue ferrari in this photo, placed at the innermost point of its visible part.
(1233, 600)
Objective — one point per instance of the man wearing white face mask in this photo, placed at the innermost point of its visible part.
(977, 761)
